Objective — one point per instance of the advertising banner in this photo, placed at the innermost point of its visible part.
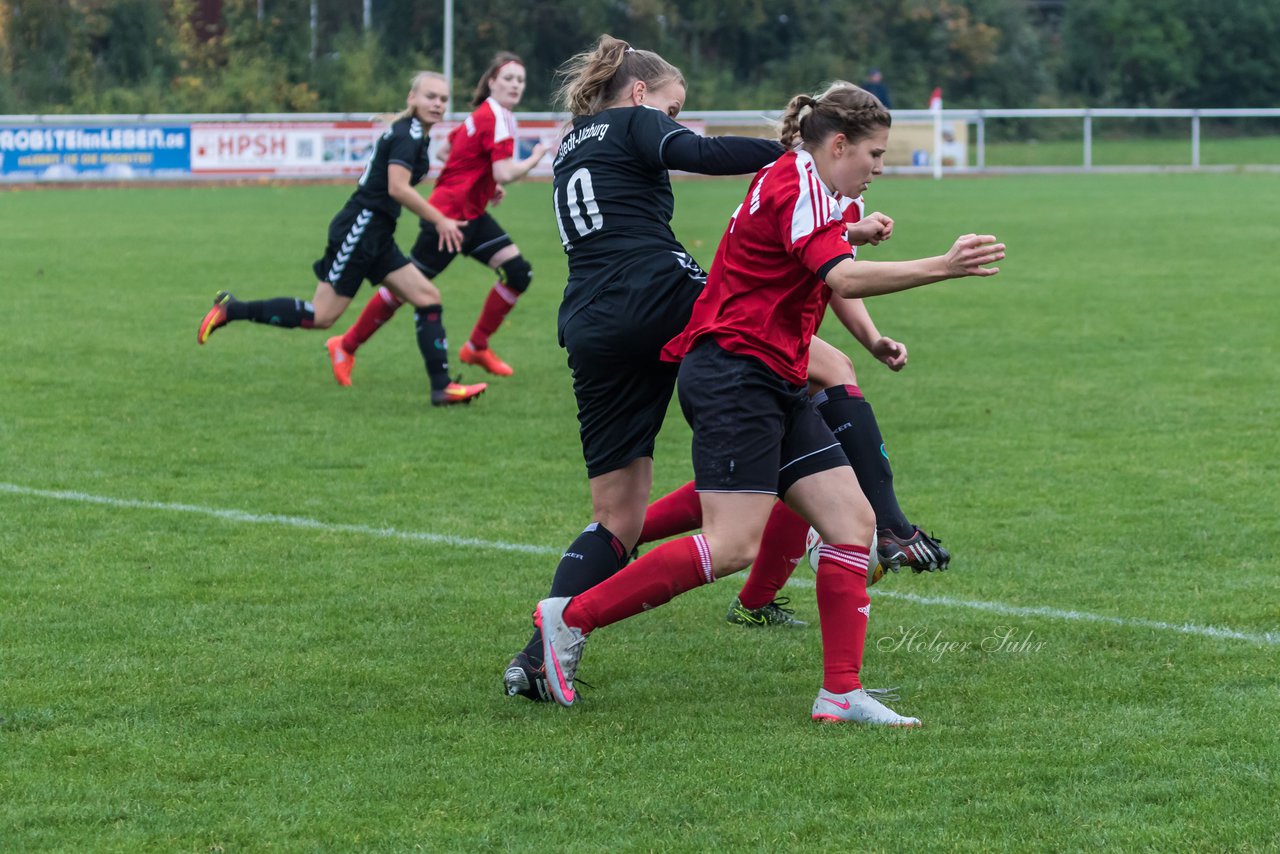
(59, 153)
(319, 149)
(303, 149)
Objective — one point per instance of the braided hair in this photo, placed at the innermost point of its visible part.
(842, 108)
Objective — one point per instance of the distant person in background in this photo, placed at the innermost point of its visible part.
(479, 159)
(362, 246)
(875, 85)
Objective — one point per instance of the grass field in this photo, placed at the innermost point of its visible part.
(244, 609)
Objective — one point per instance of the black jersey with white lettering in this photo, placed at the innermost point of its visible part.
(613, 205)
(404, 144)
(612, 193)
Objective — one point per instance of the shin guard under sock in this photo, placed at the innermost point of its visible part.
(676, 512)
(594, 556)
(781, 549)
(497, 306)
(433, 344)
(655, 579)
(285, 312)
(852, 420)
(843, 608)
(380, 308)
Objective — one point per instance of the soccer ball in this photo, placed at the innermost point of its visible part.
(814, 539)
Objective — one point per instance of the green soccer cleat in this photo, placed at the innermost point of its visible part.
(773, 614)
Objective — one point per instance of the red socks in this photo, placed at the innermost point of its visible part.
(781, 549)
(675, 513)
(655, 579)
(380, 308)
(843, 607)
(497, 305)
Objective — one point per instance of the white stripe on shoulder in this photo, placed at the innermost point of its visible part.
(814, 204)
(504, 123)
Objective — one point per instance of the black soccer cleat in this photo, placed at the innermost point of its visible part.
(522, 679)
(919, 551)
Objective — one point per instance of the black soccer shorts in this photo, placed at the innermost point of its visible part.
(482, 237)
(752, 430)
(362, 245)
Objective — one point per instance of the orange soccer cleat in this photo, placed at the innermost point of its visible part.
(341, 360)
(216, 317)
(486, 359)
(456, 392)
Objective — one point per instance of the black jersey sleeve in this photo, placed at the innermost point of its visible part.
(650, 133)
(720, 155)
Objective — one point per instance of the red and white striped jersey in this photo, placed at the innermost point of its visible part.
(765, 295)
(466, 183)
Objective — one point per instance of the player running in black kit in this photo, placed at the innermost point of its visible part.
(362, 246)
(631, 289)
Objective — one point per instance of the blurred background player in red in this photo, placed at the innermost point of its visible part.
(630, 290)
(362, 246)
(479, 159)
(743, 362)
(833, 386)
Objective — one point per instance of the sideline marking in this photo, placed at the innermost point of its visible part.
(1218, 632)
(1266, 638)
(272, 519)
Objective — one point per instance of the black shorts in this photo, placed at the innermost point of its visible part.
(482, 237)
(752, 430)
(362, 245)
(623, 389)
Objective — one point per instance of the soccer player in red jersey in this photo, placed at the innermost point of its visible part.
(630, 290)
(833, 386)
(480, 159)
(743, 363)
(362, 246)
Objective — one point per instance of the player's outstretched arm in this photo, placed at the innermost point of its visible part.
(506, 171)
(719, 155)
(968, 256)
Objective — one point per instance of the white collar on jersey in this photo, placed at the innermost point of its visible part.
(806, 161)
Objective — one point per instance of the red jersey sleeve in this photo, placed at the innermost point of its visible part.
(494, 129)
(810, 221)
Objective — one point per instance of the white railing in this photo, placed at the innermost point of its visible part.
(928, 147)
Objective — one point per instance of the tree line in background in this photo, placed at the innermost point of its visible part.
(151, 56)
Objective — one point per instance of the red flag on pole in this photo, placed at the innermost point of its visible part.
(935, 100)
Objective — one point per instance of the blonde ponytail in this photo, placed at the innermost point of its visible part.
(596, 78)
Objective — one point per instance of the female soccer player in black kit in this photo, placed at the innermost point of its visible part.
(631, 289)
(362, 246)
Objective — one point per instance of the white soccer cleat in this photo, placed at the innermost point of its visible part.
(561, 648)
(857, 707)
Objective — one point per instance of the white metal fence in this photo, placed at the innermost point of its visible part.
(937, 152)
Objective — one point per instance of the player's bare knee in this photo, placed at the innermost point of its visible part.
(731, 556)
(424, 295)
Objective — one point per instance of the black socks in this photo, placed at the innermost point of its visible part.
(850, 417)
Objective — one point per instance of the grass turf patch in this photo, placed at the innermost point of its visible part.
(1092, 430)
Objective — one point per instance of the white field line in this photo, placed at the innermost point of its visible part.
(1268, 638)
(286, 521)
(1219, 632)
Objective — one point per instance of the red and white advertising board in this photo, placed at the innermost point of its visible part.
(330, 149)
